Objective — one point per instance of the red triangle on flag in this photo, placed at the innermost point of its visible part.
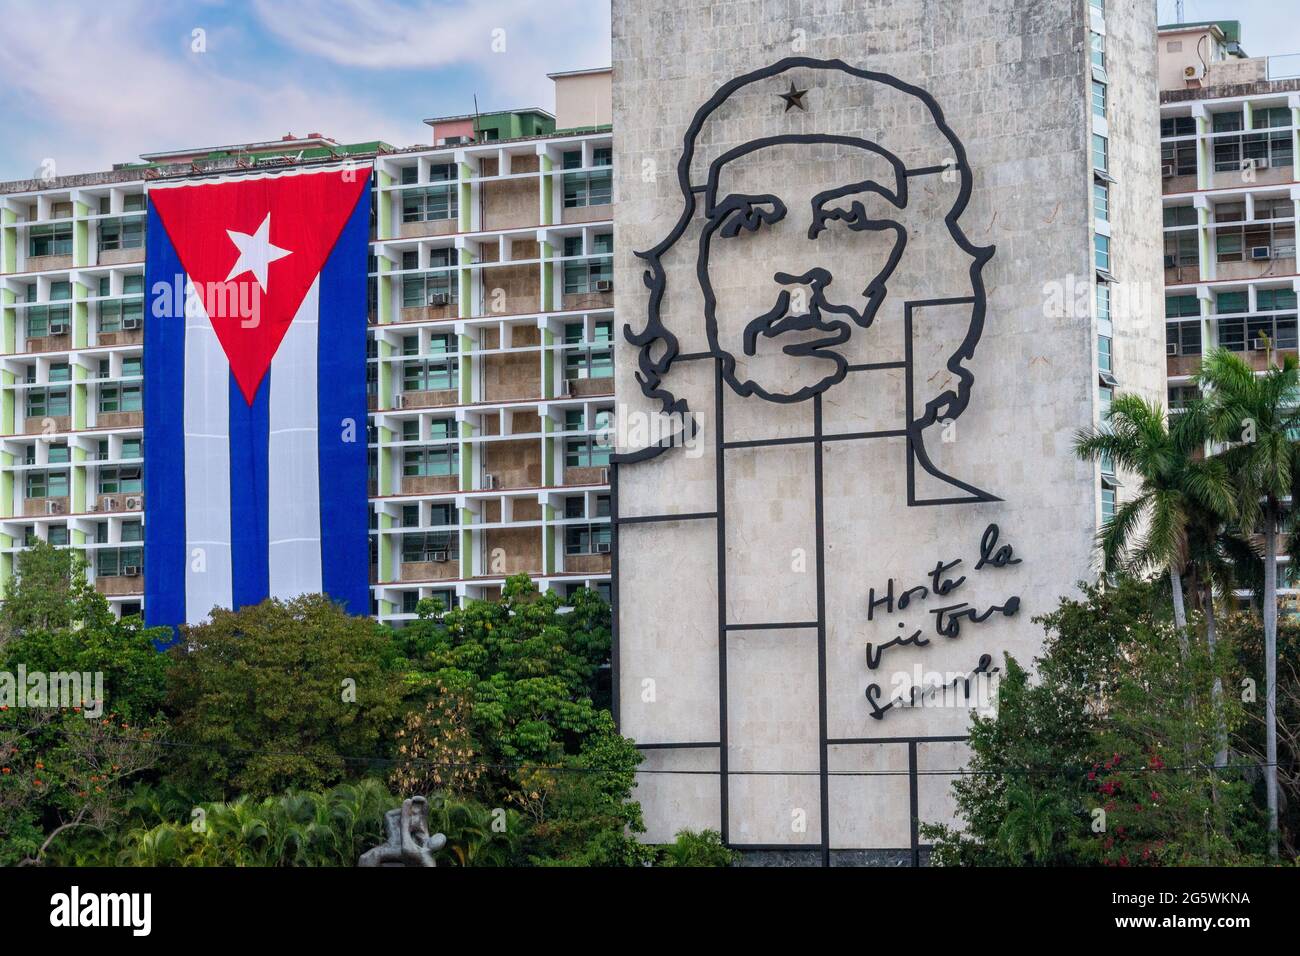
(252, 247)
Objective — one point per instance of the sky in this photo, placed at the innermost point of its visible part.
(1268, 27)
(88, 83)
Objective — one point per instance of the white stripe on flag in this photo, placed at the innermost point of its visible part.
(207, 465)
(293, 464)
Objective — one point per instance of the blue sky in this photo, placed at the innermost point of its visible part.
(91, 82)
(88, 83)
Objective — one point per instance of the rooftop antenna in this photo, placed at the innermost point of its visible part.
(476, 122)
(1178, 7)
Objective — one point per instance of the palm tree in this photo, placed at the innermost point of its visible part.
(1177, 492)
(1259, 415)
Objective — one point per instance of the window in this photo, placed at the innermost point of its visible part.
(410, 175)
(586, 539)
(1272, 117)
(53, 402)
(47, 484)
(430, 376)
(1275, 300)
(1101, 201)
(121, 234)
(430, 462)
(1098, 52)
(58, 535)
(120, 398)
(1180, 216)
(1273, 209)
(1172, 126)
(1104, 354)
(1103, 302)
(430, 546)
(52, 240)
(133, 202)
(1181, 396)
(430, 288)
(1107, 503)
(132, 531)
(125, 480)
(132, 448)
(118, 562)
(591, 188)
(1100, 152)
(581, 275)
(119, 314)
(590, 452)
(429, 204)
(43, 320)
(1098, 98)
(582, 362)
(1182, 306)
(1101, 249)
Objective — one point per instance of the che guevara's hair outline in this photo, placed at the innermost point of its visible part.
(656, 337)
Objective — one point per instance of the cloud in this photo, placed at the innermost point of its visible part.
(89, 89)
(510, 44)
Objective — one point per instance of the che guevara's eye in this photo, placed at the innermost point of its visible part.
(855, 217)
(739, 213)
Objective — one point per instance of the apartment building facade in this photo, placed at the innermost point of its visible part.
(1230, 172)
(490, 369)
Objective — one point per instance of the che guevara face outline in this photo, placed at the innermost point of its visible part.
(658, 347)
(730, 216)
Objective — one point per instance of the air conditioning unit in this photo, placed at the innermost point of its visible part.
(1189, 72)
(440, 557)
(604, 285)
(58, 328)
(602, 547)
(568, 388)
(130, 325)
(130, 571)
(1261, 252)
(134, 504)
(489, 481)
(604, 476)
(401, 401)
(1260, 163)
(1171, 348)
(54, 507)
(108, 504)
(439, 298)
(1167, 170)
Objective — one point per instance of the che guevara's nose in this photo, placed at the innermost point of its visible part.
(816, 279)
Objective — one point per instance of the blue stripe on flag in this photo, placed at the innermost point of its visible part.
(164, 429)
(249, 541)
(341, 388)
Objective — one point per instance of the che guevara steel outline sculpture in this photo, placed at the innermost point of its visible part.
(658, 350)
(658, 345)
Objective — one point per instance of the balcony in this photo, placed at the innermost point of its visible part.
(51, 505)
(428, 398)
(113, 585)
(133, 419)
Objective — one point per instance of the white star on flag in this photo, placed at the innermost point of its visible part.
(255, 252)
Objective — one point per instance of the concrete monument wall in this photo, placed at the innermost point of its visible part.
(851, 218)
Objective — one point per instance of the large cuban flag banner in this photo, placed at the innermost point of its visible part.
(255, 392)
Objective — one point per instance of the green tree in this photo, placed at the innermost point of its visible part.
(50, 591)
(1260, 416)
(281, 695)
(1150, 531)
(1103, 716)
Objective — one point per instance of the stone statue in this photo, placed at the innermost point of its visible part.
(408, 840)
